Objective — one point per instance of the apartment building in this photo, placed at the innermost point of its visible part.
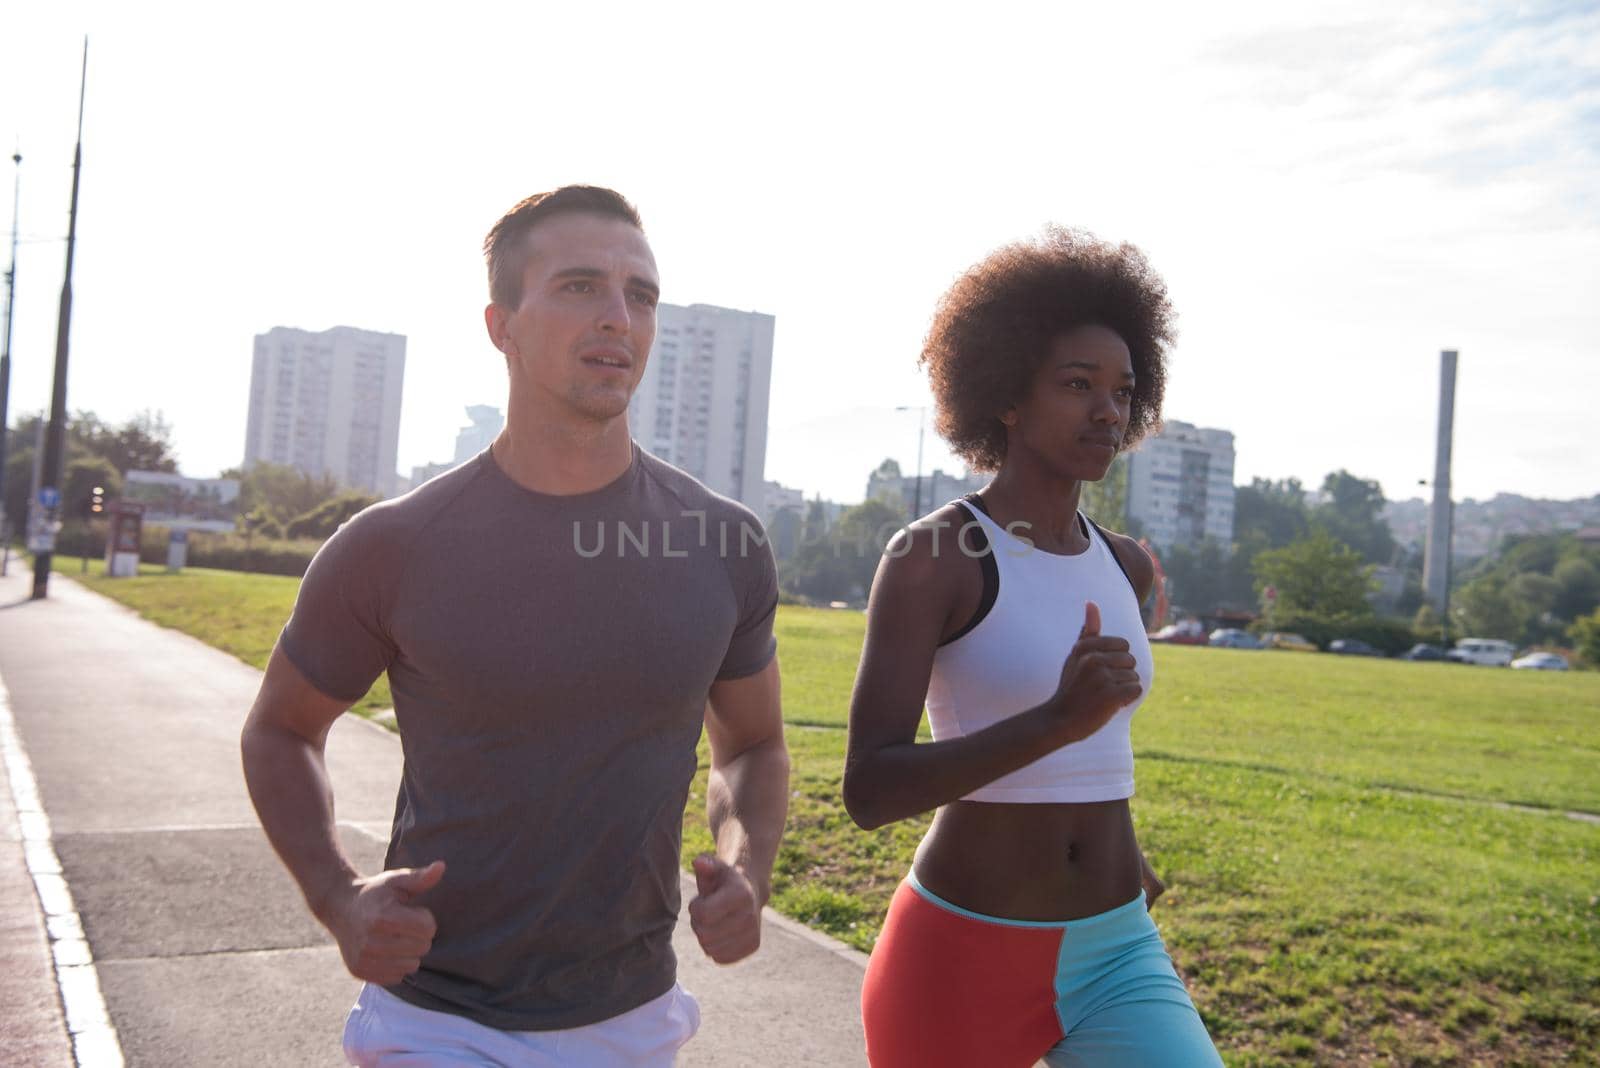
(328, 403)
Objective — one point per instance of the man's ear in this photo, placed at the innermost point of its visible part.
(495, 321)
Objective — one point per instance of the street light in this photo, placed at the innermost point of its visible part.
(5, 364)
(921, 410)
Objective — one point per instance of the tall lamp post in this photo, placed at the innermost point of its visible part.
(55, 441)
(5, 364)
(921, 410)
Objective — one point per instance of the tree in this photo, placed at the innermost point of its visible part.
(888, 485)
(19, 481)
(1532, 591)
(1269, 515)
(1353, 513)
(143, 443)
(840, 565)
(1317, 575)
(1585, 635)
(785, 532)
(281, 492)
(1487, 608)
(1578, 588)
(1204, 578)
(260, 521)
(1106, 501)
(328, 516)
(1428, 624)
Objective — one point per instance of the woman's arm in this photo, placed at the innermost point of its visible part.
(889, 775)
(1142, 573)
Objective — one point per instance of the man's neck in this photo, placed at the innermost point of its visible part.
(564, 460)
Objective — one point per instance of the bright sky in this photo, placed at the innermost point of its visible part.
(1333, 192)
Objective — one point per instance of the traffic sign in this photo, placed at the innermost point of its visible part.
(49, 497)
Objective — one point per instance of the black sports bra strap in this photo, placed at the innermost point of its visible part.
(1112, 549)
(972, 539)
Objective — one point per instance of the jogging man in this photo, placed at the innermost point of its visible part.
(549, 697)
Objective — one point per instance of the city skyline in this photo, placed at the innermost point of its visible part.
(1334, 194)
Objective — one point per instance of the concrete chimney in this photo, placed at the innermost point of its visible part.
(1436, 560)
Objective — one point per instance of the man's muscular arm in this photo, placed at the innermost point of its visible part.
(747, 800)
(381, 935)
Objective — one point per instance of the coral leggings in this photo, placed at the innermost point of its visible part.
(951, 988)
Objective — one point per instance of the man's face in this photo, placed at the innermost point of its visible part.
(579, 338)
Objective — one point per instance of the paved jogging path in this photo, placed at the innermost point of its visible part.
(202, 950)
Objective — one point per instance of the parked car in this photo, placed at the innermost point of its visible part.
(1283, 639)
(1184, 632)
(1491, 652)
(1352, 647)
(1233, 638)
(1423, 651)
(1541, 662)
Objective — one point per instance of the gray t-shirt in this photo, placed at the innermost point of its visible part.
(549, 659)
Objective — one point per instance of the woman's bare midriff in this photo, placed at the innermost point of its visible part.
(1031, 862)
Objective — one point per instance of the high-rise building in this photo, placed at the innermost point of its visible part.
(1180, 485)
(936, 489)
(702, 403)
(487, 422)
(776, 497)
(328, 403)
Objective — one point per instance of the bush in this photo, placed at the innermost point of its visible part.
(325, 518)
(1391, 636)
(225, 552)
(231, 552)
(78, 538)
(1585, 635)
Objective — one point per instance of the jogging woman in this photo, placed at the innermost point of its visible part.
(1022, 931)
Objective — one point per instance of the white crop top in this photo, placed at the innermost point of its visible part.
(1011, 660)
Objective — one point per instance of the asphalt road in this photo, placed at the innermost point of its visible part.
(201, 947)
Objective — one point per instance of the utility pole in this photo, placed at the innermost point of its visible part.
(5, 364)
(56, 438)
(921, 410)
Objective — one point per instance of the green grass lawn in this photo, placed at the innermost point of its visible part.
(1346, 882)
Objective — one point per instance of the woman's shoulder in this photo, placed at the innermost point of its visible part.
(936, 548)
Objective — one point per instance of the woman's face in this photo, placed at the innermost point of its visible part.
(1076, 410)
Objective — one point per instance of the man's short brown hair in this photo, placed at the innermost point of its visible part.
(505, 247)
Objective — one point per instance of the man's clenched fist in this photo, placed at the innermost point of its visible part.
(382, 935)
(725, 913)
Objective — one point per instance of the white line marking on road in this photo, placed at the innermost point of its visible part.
(94, 1038)
(378, 832)
(374, 829)
(166, 828)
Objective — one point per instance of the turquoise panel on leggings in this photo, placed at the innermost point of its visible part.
(1120, 1001)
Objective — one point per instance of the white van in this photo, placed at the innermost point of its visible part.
(1491, 652)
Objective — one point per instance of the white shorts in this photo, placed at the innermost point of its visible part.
(383, 1031)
